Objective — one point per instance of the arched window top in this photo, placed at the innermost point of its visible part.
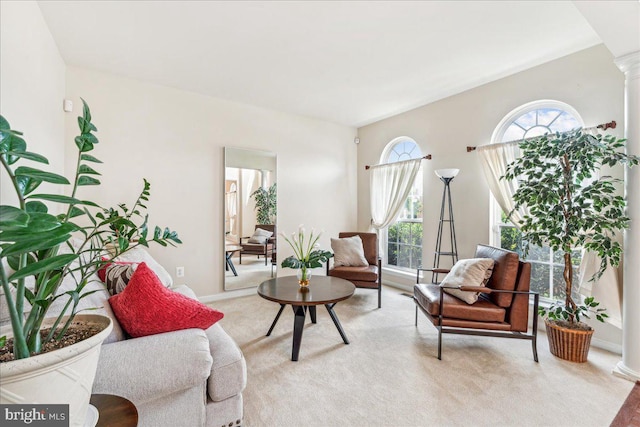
(537, 118)
(400, 149)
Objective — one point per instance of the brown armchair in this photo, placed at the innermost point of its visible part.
(502, 309)
(268, 249)
(362, 277)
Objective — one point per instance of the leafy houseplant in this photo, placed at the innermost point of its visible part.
(266, 204)
(37, 253)
(570, 206)
(306, 254)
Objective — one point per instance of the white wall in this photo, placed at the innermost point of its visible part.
(587, 80)
(31, 86)
(175, 140)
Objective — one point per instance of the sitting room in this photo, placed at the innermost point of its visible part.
(203, 177)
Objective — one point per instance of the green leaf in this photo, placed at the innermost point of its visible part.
(41, 175)
(3, 341)
(87, 180)
(29, 156)
(12, 218)
(89, 158)
(57, 198)
(48, 264)
(36, 207)
(84, 169)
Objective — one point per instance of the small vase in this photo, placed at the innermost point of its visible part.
(304, 275)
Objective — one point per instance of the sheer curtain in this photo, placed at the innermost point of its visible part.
(494, 159)
(390, 185)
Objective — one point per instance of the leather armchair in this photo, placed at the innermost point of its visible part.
(502, 309)
(370, 276)
(268, 249)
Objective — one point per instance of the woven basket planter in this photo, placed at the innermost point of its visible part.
(568, 344)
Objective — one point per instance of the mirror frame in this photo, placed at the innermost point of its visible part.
(244, 159)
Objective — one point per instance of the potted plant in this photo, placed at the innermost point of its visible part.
(570, 206)
(266, 204)
(39, 250)
(306, 254)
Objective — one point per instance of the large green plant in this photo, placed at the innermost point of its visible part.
(36, 250)
(570, 206)
(266, 204)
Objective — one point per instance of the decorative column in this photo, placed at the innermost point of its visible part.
(629, 367)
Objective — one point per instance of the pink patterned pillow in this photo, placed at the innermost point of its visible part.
(146, 307)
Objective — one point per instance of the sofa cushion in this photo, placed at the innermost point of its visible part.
(468, 272)
(228, 371)
(146, 307)
(359, 274)
(348, 251)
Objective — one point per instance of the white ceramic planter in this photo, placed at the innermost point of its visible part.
(63, 376)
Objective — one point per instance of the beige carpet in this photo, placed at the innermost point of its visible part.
(389, 375)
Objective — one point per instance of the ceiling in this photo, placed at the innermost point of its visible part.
(348, 62)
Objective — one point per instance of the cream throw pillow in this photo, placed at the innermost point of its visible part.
(348, 252)
(468, 272)
(260, 236)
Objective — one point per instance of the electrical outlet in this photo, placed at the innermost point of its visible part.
(179, 271)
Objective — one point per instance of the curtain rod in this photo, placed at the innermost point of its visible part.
(604, 126)
(427, 157)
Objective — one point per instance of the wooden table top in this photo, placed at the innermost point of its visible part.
(114, 411)
(322, 290)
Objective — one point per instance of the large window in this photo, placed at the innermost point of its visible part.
(403, 240)
(534, 119)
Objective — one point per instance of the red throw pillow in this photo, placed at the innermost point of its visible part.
(145, 307)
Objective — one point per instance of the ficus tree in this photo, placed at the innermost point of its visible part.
(569, 204)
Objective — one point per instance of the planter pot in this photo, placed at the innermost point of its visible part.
(568, 344)
(63, 376)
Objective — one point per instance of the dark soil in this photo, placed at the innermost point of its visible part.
(78, 331)
(568, 325)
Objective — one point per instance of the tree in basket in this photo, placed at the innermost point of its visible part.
(570, 206)
(266, 204)
(306, 254)
(40, 249)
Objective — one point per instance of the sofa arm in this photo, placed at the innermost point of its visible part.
(147, 368)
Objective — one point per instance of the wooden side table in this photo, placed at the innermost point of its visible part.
(114, 411)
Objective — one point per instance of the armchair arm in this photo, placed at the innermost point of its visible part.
(147, 368)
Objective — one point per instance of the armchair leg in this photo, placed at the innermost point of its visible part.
(440, 343)
(416, 323)
(535, 350)
(379, 295)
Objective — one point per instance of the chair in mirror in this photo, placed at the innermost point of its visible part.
(250, 213)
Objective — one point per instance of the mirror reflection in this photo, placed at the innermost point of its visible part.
(250, 213)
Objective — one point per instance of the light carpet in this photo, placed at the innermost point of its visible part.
(390, 376)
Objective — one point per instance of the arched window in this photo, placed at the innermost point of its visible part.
(403, 239)
(529, 120)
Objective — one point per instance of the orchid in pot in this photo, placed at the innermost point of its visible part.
(40, 250)
(307, 254)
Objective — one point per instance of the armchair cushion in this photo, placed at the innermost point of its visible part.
(468, 272)
(505, 272)
(260, 236)
(428, 296)
(348, 251)
(146, 307)
(368, 273)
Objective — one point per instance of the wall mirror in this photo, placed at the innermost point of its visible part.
(250, 233)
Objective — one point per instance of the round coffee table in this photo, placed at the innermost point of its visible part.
(114, 411)
(323, 290)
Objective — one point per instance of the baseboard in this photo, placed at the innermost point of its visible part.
(227, 295)
(606, 345)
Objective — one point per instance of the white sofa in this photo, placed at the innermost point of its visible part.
(191, 377)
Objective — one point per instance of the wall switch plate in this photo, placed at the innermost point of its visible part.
(179, 271)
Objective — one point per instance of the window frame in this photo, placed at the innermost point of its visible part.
(384, 236)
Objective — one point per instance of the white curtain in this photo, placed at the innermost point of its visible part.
(494, 159)
(390, 185)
